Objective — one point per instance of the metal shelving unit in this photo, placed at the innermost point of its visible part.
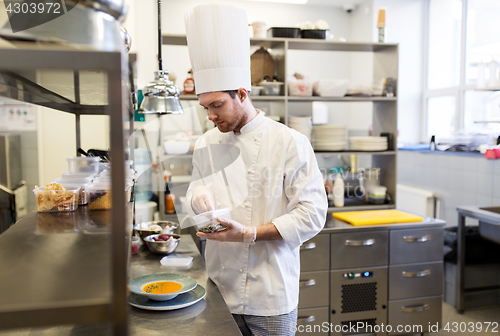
(76, 277)
(385, 64)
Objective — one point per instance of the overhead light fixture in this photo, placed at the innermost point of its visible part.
(161, 96)
(298, 2)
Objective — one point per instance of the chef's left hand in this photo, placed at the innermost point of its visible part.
(235, 232)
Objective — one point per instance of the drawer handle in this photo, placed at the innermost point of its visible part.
(306, 319)
(309, 246)
(416, 239)
(367, 242)
(414, 309)
(307, 283)
(416, 274)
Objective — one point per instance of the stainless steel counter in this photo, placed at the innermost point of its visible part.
(36, 255)
(333, 225)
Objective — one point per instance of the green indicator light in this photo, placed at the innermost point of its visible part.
(351, 275)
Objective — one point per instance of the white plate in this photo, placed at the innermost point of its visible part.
(181, 301)
(185, 281)
(330, 127)
(330, 147)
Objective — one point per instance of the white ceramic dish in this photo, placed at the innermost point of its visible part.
(137, 284)
(181, 301)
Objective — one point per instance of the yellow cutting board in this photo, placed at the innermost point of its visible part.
(359, 218)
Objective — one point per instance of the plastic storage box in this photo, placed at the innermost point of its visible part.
(321, 34)
(99, 196)
(83, 164)
(56, 200)
(283, 32)
(271, 88)
(302, 88)
(82, 184)
(207, 221)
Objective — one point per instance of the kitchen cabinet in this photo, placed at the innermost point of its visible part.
(385, 274)
(78, 277)
(384, 120)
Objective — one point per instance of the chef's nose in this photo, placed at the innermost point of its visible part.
(211, 115)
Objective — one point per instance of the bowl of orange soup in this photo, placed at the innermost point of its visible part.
(162, 286)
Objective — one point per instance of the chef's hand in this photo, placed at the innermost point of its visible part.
(234, 232)
(202, 200)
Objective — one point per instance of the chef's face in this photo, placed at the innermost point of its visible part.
(225, 112)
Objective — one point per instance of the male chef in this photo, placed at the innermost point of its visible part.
(255, 260)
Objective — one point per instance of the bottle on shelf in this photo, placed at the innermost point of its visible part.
(169, 199)
(433, 143)
(338, 191)
(189, 83)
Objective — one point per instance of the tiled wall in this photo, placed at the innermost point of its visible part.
(457, 179)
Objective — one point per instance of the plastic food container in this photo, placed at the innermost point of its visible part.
(321, 34)
(300, 88)
(56, 200)
(376, 194)
(331, 87)
(207, 221)
(82, 184)
(255, 90)
(271, 88)
(286, 32)
(99, 196)
(83, 164)
(77, 176)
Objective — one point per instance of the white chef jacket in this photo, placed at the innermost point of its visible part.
(285, 187)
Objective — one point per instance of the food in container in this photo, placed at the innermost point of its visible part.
(83, 164)
(303, 88)
(82, 184)
(99, 196)
(255, 90)
(207, 221)
(55, 198)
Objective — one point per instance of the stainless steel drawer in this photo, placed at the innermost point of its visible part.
(359, 249)
(313, 321)
(415, 280)
(414, 313)
(315, 254)
(313, 290)
(417, 245)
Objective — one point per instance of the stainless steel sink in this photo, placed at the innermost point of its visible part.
(491, 229)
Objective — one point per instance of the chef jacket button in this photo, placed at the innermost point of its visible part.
(220, 141)
(247, 205)
(241, 270)
(249, 170)
(223, 267)
(218, 204)
(256, 139)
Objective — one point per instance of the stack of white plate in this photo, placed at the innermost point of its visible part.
(302, 125)
(330, 137)
(370, 143)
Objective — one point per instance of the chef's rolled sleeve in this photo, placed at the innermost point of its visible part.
(304, 189)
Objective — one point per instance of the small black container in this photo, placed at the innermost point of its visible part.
(283, 32)
(320, 34)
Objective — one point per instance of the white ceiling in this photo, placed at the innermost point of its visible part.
(335, 3)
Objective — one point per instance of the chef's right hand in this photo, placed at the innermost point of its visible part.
(202, 200)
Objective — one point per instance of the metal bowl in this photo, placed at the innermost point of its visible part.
(142, 229)
(162, 247)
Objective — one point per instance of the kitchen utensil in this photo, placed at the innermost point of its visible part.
(144, 229)
(162, 247)
(137, 284)
(359, 218)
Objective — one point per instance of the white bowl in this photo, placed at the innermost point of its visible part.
(176, 147)
(185, 281)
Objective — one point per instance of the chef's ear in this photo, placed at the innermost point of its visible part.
(242, 94)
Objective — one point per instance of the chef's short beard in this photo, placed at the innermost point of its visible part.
(239, 117)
